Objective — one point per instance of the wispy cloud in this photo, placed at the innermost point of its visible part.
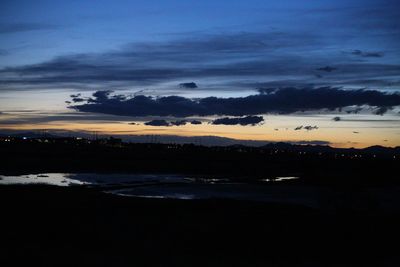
(25, 27)
(367, 54)
(279, 58)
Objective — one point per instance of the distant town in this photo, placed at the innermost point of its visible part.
(152, 141)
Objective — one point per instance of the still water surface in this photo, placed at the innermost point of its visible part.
(167, 186)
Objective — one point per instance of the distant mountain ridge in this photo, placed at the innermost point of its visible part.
(307, 145)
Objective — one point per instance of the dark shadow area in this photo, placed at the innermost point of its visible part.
(83, 226)
(53, 226)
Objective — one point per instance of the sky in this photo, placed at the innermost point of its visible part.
(293, 71)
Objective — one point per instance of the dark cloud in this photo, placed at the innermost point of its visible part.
(381, 110)
(25, 27)
(78, 99)
(354, 132)
(337, 119)
(310, 128)
(307, 127)
(282, 100)
(248, 120)
(166, 123)
(157, 123)
(191, 85)
(195, 122)
(367, 54)
(355, 111)
(327, 69)
(75, 70)
(178, 123)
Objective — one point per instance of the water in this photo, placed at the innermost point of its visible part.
(269, 189)
(279, 178)
(165, 186)
(238, 191)
(69, 179)
(59, 179)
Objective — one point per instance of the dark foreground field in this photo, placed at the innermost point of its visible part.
(53, 226)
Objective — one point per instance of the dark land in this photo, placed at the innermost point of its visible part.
(83, 226)
(51, 226)
(314, 164)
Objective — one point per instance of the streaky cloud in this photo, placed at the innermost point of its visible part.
(367, 54)
(25, 27)
(327, 69)
(246, 56)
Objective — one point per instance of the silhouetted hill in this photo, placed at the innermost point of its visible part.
(207, 140)
(380, 149)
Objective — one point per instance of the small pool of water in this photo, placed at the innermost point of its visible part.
(68, 179)
(59, 179)
(163, 186)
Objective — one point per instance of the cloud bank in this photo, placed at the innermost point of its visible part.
(281, 101)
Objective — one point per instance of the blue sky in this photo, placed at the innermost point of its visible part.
(40, 30)
(52, 49)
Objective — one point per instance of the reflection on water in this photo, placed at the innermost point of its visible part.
(60, 179)
(254, 192)
(161, 186)
(279, 178)
(276, 189)
(66, 179)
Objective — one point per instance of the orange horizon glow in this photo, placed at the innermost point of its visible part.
(343, 138)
